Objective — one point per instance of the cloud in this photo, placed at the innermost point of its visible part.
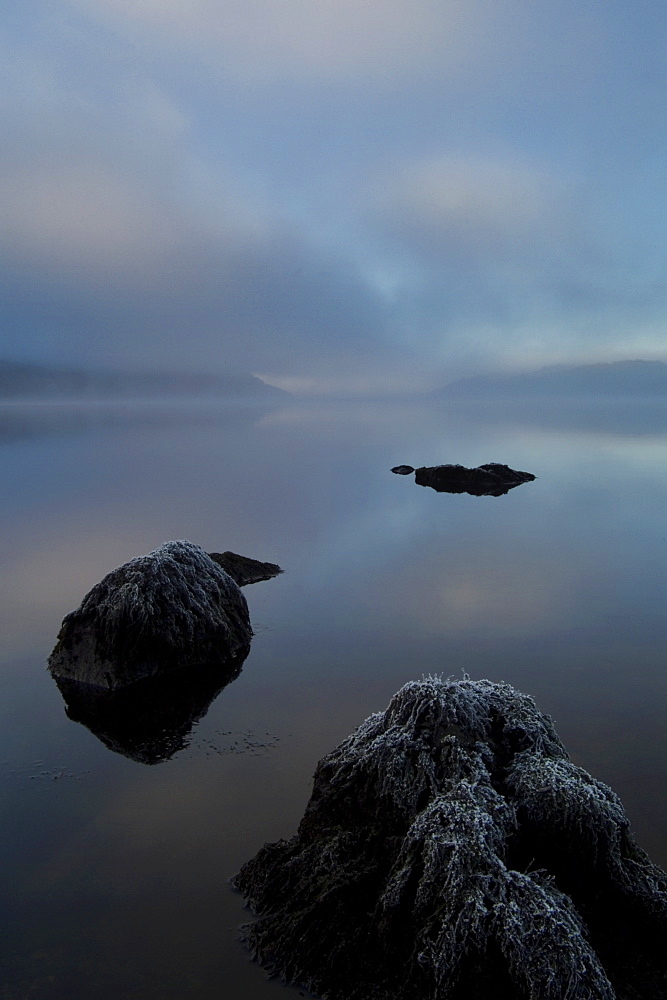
(470, 208)
(123, 241)
(505, 259)
(188, 184)
(91, 210)
(89, 248)
(345, 40)
(384, 45)
(123, 264)
(84, 218)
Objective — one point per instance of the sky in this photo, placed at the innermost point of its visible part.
(363, 196)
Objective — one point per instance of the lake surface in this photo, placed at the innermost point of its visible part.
(116, 872)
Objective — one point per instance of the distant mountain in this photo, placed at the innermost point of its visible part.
(613, 380)
(32, 381)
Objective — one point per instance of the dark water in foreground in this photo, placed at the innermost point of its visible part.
(115, 872)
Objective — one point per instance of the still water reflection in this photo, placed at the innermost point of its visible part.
(152, 720)
(116, 873)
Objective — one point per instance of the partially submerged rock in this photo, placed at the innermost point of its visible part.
(492, 479)
(172, 609)
(244, 570)
(452, 850)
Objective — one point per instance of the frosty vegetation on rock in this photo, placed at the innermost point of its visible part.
(451, 849)
(171, 609)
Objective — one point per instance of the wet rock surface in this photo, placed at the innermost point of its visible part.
(451, 849)
(172, 609)
(493, 479)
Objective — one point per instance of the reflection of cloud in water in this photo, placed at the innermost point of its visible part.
(350, 533)
(177, 817)
(40, 583)
(506, 599)
(23, 421)
(627, 416)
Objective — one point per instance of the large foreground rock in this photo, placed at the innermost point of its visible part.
(493, 479)
(172, 609)
(451, 849)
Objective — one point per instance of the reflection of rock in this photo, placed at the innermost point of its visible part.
(492, 479)
(151, 720)
(173, 608)
(450, 850)
(244, 570)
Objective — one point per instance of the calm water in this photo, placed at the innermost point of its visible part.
(116, 872)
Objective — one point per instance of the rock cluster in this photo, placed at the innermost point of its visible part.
(450, 850)
(492, 479)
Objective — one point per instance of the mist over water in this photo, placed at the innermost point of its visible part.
(117, 871)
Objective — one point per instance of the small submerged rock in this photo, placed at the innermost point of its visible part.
(451, 850)
(173, 609)
(492, 479)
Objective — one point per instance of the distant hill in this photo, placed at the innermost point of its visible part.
(613, 380)
(32, 381)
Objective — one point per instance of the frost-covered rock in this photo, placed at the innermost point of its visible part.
(451, 849)
(171, 609)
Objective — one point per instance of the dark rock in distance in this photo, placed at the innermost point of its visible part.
(452, 850)
(174, 608)
(244, 570)
(492, 479)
